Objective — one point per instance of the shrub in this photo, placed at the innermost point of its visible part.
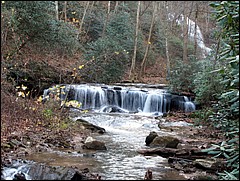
(182, 75)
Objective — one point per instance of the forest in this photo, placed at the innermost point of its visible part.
(192, 47)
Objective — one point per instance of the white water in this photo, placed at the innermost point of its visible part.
(125, 134)
(16, 167)
(191, 33)
(189, 106)
(105, 97)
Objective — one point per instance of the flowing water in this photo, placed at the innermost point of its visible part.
(125, 134)
(192, 27)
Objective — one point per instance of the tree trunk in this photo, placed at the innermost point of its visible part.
(91, 7)
(185, 34)
(195, 30)
(89, 23)
(166, 41)
(56, 6)
(143, 64)
(65, 11)
(132, 70)
(84, 14)
(116, 7)
(105, 24)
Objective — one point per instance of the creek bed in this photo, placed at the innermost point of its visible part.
(125, 134)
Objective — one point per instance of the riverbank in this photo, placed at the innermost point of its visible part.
(43, 140)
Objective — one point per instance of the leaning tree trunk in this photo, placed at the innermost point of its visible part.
(132, 70)
(84, 14)
(143, 64)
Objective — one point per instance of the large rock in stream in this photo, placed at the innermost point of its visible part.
(150, 137)
(154, 140)
(165, 142)
(94, 128)
(93, 144)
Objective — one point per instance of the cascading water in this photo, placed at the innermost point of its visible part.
(106, 98)
(125, 133)
(191, 32)
(189, 106)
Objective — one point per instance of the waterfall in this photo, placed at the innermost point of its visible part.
(121, 99)
(191, 32)
(188, 105)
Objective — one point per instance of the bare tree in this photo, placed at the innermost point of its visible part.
(91, 7)
(56, 6)
(195, 30)
(166, 37)
(185, 34)
(132, 70)
(65, 11)
(84, 14)
(143, 64)
(105, 24)
(89, 23)
(116, 7)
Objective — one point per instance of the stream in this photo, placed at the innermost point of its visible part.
(125, 134)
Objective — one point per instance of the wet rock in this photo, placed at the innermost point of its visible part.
(164, 141)
(91, 143)
(211, 164)
(19, 176)
(148, 175)
(205, 177)
(92, 127)
(117, 88)
(44, 172)
(77, 176)
(15, 143)
(114, 109)
(7, 146)
(150, 137)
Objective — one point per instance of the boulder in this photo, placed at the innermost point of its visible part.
(92, 127)
(44, 172)
(19, 176)
(165, 142)
(210, 163)
(150, 137)
(93, 144)
(114, 109)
